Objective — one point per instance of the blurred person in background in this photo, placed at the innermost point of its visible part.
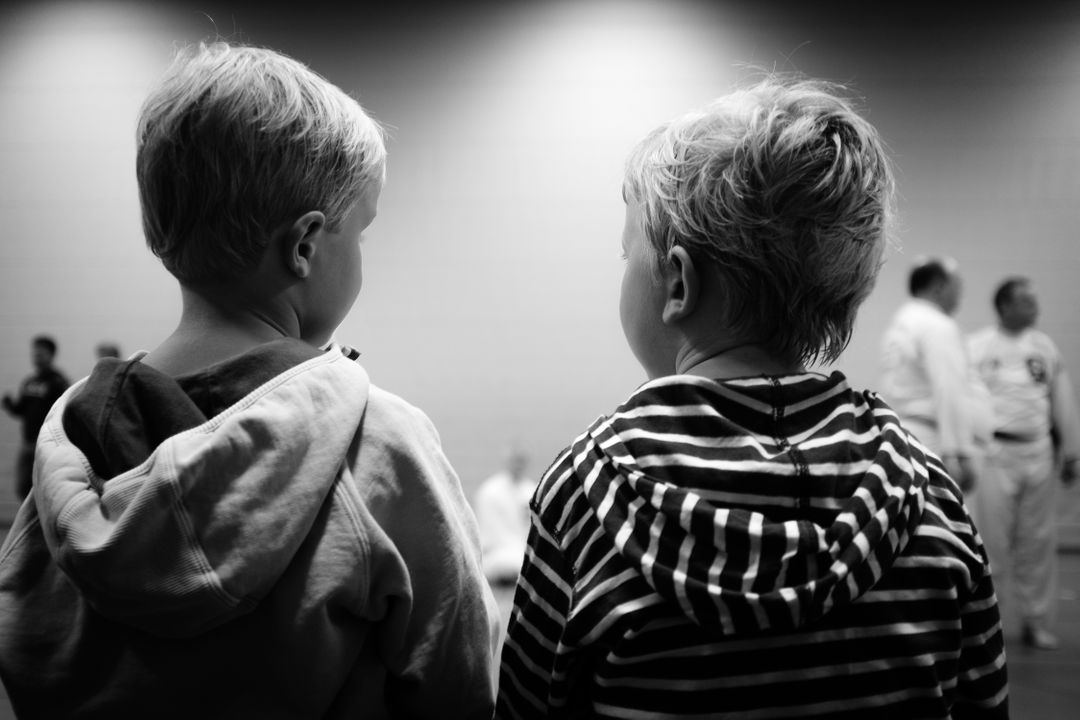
(36, 396)
(1036, 446)
(926, 377)
(106, 349)
(501, 504)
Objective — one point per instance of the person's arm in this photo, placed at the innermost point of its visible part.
(541, 606)
(13, 406)
(945, 360)
(1065, 421)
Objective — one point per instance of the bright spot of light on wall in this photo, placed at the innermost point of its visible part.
(550, 94)
(580, 64)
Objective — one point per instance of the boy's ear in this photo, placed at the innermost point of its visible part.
(300, 242)
(681, 285)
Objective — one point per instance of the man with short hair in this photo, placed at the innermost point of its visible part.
(925, 373)
(1036, 442)
(37, 393)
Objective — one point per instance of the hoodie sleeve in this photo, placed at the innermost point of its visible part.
(530, 673)
(437, 619)
(982, 685)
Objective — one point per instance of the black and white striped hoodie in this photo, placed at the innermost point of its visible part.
(768, 547)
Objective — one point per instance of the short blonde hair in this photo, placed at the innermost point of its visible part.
(236, 140)
(787, 192)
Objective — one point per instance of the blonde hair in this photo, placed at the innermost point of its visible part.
(786, 192)
(236, 140)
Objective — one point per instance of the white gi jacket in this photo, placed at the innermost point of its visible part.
(926, 378)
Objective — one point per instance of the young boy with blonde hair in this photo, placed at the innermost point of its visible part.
(239, 523)
(743, 538)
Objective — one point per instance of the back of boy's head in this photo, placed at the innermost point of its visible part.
(784, 193)
(236, 140)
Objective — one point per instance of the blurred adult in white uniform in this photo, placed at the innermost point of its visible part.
(1036, 444)
(501, 504)
(926, 377)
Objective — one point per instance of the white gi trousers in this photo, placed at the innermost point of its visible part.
(1017, 503)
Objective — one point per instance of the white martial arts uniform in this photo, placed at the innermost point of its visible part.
(927, 380)
(501, 504)
(1032, 397)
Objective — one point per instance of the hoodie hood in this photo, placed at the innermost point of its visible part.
(754, 504)
(198, 531)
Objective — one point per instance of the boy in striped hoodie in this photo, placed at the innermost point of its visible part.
(744, 538)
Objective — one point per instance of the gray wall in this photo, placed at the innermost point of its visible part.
(492, 271)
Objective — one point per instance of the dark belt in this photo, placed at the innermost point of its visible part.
(1015, 437)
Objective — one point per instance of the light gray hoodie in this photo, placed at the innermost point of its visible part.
(307, 552)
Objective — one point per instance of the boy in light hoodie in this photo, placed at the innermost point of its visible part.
(744, 538)
(239, 523)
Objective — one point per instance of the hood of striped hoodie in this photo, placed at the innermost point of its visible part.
(755, 504)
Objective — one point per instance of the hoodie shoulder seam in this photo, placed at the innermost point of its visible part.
(20, 537)
(341, 493)
(191, 537)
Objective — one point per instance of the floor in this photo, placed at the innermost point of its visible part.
(1044, 685)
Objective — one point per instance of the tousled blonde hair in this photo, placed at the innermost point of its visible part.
(786, 192)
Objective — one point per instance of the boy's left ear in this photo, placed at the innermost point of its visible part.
(681, 284)
(300, 242)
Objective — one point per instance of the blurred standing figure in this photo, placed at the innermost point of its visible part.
(36, 396)
(925, 373)
(501, 504)
(1037, 440)
(106, 350)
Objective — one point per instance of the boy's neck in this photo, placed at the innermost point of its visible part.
(733, 361)
(214, 329)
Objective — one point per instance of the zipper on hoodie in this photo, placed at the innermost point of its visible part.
(802, 469)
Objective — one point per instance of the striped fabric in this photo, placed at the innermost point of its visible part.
(753, 548)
